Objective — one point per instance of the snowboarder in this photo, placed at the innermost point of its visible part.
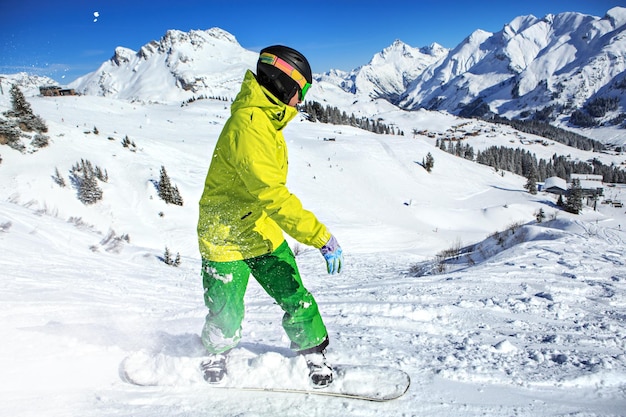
(244, 209)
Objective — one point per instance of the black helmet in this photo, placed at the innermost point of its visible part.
(284, 71)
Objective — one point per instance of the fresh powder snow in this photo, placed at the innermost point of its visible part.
(527, 319)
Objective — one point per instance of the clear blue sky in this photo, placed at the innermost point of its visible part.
(60, 38)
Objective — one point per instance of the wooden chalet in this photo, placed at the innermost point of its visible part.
(555, 185)
(53, 90)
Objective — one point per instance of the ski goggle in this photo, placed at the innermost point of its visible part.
(282, 65)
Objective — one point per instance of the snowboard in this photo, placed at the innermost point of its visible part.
(267, 372)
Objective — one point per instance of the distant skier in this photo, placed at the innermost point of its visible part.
(244, 209)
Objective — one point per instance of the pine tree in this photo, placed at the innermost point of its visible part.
(130, 144)
(531, 183)
(27, 120)
(57, 178)
(177, 199)
(165, 185)
(89, 192)
(168, 192)
(450, 149)
(167, 257)
(18, 102)
(10, 134)
(84, 178)
(574, 201)
(429, 163)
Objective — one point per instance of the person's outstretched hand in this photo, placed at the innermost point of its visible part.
(333, 255)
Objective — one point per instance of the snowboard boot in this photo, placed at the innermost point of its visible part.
(320, 372)
(214, 368)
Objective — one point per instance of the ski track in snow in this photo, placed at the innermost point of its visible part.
(527, 324)
(541, 324)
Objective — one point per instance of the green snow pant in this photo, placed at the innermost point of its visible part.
(224, 289)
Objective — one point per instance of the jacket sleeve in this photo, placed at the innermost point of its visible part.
(261, 159)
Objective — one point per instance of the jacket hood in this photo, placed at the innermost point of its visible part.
(252, 94)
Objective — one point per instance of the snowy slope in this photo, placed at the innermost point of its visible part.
(529, 324)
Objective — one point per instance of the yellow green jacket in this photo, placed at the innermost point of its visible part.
(246, 206)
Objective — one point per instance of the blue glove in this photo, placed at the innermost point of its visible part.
(333, 254)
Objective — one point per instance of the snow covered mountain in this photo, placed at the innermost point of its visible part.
(567, 69)
(182, 65)
(178, 66)
(555, 65)
(389, 73)
(564, 60)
